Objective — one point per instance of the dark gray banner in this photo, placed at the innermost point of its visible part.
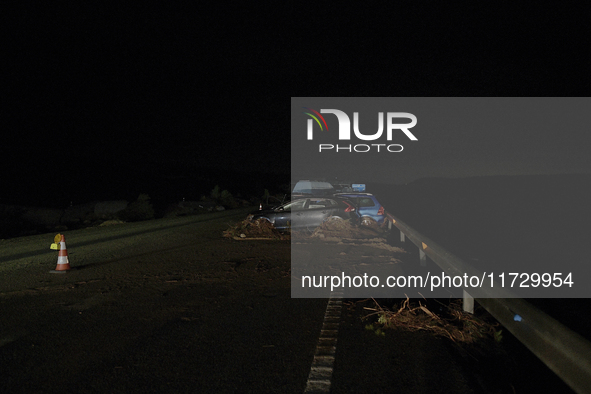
(442, 196)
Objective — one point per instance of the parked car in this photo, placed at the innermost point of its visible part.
(270, 202)
(309, 212)
(368, 207)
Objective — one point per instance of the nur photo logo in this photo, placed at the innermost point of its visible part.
(391, 119)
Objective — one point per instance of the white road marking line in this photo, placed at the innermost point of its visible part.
(319, 379)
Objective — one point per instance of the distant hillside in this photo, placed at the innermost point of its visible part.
(162, 183)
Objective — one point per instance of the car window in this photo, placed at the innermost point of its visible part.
(365, 202)
(318, 203)
(295, 205)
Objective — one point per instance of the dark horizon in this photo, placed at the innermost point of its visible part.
(62, 190)
(170, 183)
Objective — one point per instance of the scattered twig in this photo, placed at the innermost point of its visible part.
(454, 324)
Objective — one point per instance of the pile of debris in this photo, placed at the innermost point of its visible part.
(343, 229)
(454, 323)
(254, 229)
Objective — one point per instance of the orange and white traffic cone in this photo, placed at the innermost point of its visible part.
(63, 264)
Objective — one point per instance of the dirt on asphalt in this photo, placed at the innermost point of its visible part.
(171, 305)
(159, 306)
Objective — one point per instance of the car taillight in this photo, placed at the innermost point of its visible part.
(381, 211)
(350, 208)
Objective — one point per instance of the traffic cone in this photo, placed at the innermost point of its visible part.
(63, 264)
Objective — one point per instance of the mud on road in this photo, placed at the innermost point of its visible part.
(159, 306)
(173, 306)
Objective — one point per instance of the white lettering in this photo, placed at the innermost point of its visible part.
(355, 148)
(390, 150)
(372, 137)
(378, 145)
(310, 125)
(360, 148)
(404, 127)
(344, 123)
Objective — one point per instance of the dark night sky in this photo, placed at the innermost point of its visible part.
(107, 101)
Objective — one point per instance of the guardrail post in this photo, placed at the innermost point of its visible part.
(389, 225)
(423, 257)
(468, 303)
(402, 238)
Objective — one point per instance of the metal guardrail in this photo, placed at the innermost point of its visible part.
(564, 351)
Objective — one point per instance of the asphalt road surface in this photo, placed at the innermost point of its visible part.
(171, 306)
